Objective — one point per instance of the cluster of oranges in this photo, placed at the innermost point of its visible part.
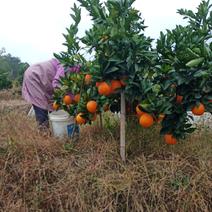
(104, 88)
(67, 100)
(91, 107)
(107, 88)
(146, 120)
(90, 113)
(197, 110)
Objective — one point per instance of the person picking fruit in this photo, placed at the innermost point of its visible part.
(39, 82)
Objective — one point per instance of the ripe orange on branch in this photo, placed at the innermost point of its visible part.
(146, 120)
(55, 106)
(198, 110)
(88, 78)
(67, 100)
(91, 106)
(104, 89)
(77, 98)
(169, 139)
(80, 119)
(115, 84)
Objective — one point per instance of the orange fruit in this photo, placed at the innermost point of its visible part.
(198, 110)
(67, 100)
(139, 111)
(146, 120)
(77, 98)
(179, 99)
(169, 139)
(80, 119)
(55, 106)
(88, 78)
(115, 84)
(104, 89)
(91, 106)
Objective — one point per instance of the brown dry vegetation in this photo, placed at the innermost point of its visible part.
(11, 100)
(10, 94)
(39, 173)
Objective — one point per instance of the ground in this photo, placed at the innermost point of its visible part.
(40, 173)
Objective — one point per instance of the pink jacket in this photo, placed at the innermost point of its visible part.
(40, 80)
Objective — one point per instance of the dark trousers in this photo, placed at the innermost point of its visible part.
(41, 116)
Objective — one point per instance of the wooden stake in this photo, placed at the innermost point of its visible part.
(122, 127)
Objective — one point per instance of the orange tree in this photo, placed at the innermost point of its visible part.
(185, 68)
(119, 47)
(160, 84)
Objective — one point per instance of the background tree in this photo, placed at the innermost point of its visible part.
(11, 69)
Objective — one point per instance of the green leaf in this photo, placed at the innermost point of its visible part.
(201, 73)
(195, 62)
(112, 70)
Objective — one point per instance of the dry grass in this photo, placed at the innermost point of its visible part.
(11, 100)
(10, 94)
(39, 173)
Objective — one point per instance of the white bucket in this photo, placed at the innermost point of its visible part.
(59, 121)
(204, 121)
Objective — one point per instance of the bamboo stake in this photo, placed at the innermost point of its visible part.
(122, 127)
